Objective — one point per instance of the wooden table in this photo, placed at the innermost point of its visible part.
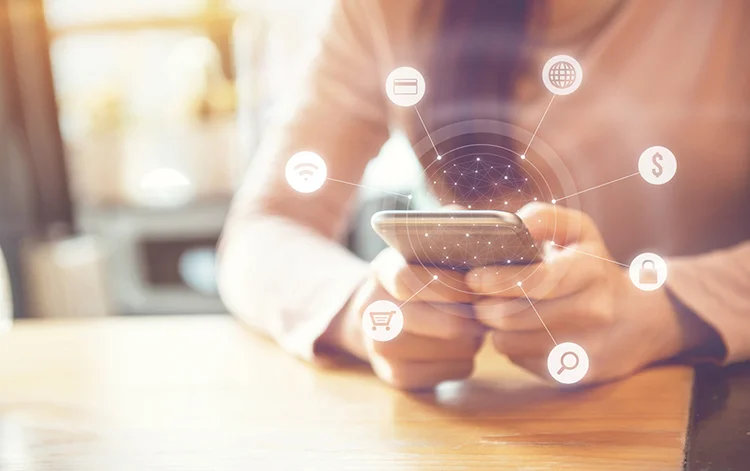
(202, 393)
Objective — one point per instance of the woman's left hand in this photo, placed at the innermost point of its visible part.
(583, 297)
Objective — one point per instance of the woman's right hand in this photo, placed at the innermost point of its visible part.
(440, 336)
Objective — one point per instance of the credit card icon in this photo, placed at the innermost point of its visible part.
(405, 86)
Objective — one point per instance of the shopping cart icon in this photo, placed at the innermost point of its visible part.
(380, 314)
(381, 319)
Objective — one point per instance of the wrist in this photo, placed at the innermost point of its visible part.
(343, 334)
(675, 330)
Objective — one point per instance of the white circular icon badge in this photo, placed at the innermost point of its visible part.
(568, 363)
(405, 86)
(562, 75)
(382, 321)
(306, 172)
(657, 165)
(648, 271)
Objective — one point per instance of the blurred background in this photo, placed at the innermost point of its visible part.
(125, 127)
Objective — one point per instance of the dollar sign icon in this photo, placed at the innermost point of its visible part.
(658, 169)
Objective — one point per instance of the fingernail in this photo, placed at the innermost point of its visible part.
(475, 281)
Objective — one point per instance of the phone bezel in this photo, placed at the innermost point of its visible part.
(402, 229)
(460, 218)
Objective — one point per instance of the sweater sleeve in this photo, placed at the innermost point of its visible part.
(716, 287)
(282, 267)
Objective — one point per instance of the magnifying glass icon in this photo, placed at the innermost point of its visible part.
(569, 365)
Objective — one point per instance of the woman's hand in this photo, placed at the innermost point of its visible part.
(440, 336)
(583, 297)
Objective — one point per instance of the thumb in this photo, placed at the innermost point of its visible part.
(564, 226)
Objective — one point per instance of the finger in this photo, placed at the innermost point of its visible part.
(560, 316)
(535, 365)
(563, 272)
(442, 321)
(523, 344)
(553, 222)
(406, 281)
(419, 375)
(538, 366)
(410, 347)
(501, 314)
(596, 373)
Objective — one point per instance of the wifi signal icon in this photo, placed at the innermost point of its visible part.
(306, 172)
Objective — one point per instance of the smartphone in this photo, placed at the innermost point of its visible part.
(457, 240)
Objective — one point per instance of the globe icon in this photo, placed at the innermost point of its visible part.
(562, 74)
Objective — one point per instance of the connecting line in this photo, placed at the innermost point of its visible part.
(419, 291)
(369, 187)
(437, 156)
(595, 187)
(590, 255)
(538, 125)
(537, 313)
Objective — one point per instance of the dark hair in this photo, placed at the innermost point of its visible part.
(477, 52)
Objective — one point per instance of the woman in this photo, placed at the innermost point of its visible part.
(671, 72)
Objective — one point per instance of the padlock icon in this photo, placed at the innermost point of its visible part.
(648, 274)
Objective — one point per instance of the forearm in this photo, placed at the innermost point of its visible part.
(716, 288)
(286, 280)
(675, 331)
